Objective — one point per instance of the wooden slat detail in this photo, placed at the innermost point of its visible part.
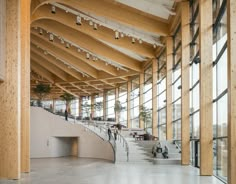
(128, 104)
(10, 107)
(231, 44)
(185, 126)
(154, 97)
(141, 90)
(206, 82)
(169, 66)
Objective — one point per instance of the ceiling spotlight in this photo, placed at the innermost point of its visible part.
(67, 45)
(45, 52)
(53, 10)
(116, 35)
(140, 41)
(67, 10)
(106, 64)
(95, 27)
(41, 32)
(87, 55)
(78, 20)
(122, 35)
(154, 46)
(90, 22)
(51, 37)
(133, 40)
(62, 41)
(78, 50)
(94, 58)
(118, 68)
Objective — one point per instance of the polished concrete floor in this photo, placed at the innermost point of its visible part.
(71, 170)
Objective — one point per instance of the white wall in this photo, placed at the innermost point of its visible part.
(50, 138)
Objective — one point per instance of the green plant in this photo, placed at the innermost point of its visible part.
(41, 90)
(118, 108)
(145, 115)
(98, 107)
(68, 98)
(86, 107)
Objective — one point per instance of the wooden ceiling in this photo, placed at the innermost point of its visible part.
(114, 43)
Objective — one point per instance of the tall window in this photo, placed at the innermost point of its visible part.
(123, 102)
(220, 121)
(134, 103)
(148, 96)
(176, 85)
(161, 95)
(98, 109)
(194, 83)
(110, 102)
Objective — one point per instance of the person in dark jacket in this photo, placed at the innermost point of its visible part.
(109, 133)
(66, 115)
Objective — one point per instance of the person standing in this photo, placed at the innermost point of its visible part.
(109, 133)
(66, 115)
(115, 133)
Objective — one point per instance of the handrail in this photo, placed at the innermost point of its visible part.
(126, 145)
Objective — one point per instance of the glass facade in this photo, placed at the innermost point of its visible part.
(176, 85)
(220, 89)
(134, 103)
(161, 95)
(123, 102)
(110, 103)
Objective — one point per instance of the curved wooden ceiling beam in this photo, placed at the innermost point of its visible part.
(102, 33)
(73, 61)
(88, 43)
(100, 65)
(51, 67)
(112, 11)
(55, 62)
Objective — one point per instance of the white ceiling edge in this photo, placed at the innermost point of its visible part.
(158, 8)
(125, 51)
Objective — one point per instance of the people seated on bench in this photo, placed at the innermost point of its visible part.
(156, 149)
(165, 153)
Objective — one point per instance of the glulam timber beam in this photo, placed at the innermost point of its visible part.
(185, 55)
(73, 61)
(206, 86)
(57, 63)
(50, 67)
(102, 33)
(99, 8)
(231, 46)
(85, 41)
(81, 56)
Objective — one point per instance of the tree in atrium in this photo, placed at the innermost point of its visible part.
(118, 108)
(98, 108)
(145, 116)
(68, 98)
(41, 90)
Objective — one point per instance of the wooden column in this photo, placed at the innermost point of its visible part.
(10, 96)
(169, 66)
(92, 106)
(205, 35)
(128, 103)
(25, 85)
(116, 99)
(154, 97)
(2, 38)
(185, 122)
(231, 45)
(80, 106)
(141, 86)
(104, 105)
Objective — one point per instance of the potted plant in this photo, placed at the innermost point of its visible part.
(68, 98)
(98, 107)
(41, 90)
(145, 116)
(86, 107)
(118, 108)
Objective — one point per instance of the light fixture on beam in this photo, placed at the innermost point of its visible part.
(133, 40)
(53, 9)
(51, 37)
(67, 45)
(122, 35)
(90, 22)
(62, 41)
(41, 32)
(140, 41)
(154, 46)
(87, 55)
(116, 35)
(78, 50)
(95, 27)
(78, 20)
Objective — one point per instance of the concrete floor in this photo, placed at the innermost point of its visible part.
(71, 170)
